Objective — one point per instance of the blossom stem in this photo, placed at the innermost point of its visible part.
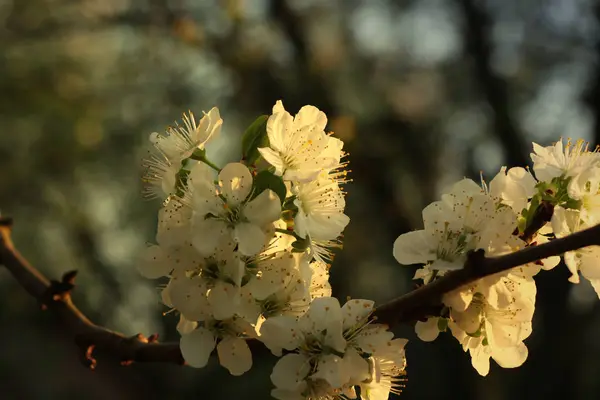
(285, 231)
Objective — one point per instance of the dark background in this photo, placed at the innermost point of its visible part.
(422, 92)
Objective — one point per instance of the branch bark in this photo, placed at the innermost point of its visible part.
(54, 296)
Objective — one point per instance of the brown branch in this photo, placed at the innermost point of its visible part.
(91, 339)
(54, 296)
(417, 304)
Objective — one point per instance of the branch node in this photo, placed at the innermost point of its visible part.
(88, 359)
(69, 277)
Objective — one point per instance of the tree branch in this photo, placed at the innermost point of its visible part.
(54, 296)
(415, 305)
(91, 339)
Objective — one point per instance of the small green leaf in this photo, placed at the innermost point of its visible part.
(255, 137)
(266, 180)
(442, 324)
(300, 245)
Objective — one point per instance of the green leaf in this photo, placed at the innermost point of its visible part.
(255, 137)
(267, 180)
(442, 324)
(300, 245)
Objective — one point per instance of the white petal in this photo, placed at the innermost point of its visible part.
(273, 158)
(224, 300)
(427, 331)
(185, 326)
(197, 346)
(413, 248)
(310, 115)
(236, 183)
(459, 299)
(250, 238)
(279, 333)
(510, 357)
(235, 355)
(263, 209)
(207, 234)
(356, 366)
(290, 372)
(154, 263)
(332, 369)
(356, 311)
(480, 359)
(325, 315)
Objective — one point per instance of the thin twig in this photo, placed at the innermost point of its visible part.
(55, 297)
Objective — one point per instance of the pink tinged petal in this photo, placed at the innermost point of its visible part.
(236, 183)
(234, 354)
(356, 312)
(224, 300)
(185, 326)
(427, 331)
(249, 237)
(263, 209)
(357, 367)
(273, 158)
(279, 333)
(154, 262)
(413, 248)
(290, 372)
(197, 346)
(207, 234)
(332, 369)
(510, 357)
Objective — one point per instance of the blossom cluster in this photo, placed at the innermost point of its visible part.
(245, 251)
(492, 316)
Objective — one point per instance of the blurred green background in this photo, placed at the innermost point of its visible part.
(423, 92)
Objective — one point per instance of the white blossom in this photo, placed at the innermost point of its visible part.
(229, 337)
(299, 148)
(225, 209)
(336, 349)
(176, 145)
(514, 187)
(320, 209)
(465, 219)
(558, 160)
(585, 260)
(487, 331)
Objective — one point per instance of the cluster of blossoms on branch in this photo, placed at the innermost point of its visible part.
(492, 316)
(245, 252)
